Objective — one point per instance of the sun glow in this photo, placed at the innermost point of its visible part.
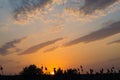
(52, 73)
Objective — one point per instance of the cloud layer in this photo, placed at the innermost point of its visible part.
(88, 7)
(24, 9)
(92, 5)
(108, 31)
(116, 41)
(4, 50)
(50, 49)
(40, 46)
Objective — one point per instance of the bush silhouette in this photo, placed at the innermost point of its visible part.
(31, 70)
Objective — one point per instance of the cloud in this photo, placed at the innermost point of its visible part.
(50, 49)
(4, 50)
(26, 10)
(40, 46)
(91, 9)
(108, 31)
(91, 6)
(116, 41)
(76, 9)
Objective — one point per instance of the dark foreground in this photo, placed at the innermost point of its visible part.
(32, 72)
(65, 77)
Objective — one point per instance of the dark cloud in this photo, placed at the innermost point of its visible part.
(92, 5)
(108, 31)
(50, 49)
(116, 41)
(4, 50)
(23, 7)
(40, 46)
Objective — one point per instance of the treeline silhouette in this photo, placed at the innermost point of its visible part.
(32, 72)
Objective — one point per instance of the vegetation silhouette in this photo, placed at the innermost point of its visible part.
(1, 70)
(32, 72)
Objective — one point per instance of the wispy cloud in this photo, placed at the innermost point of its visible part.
(92, 5)
(108, 31)
(4, 50)
(40, 46)
(50, 49)
(116, 41)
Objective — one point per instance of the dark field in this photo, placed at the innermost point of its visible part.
(65, 77)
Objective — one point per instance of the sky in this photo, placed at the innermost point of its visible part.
(59, 33)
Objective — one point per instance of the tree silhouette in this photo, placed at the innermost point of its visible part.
(32, 70)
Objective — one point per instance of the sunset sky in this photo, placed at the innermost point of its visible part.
(59, 33)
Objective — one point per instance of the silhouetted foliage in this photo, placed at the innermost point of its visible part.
(82, 69)
(1, 70)
(46, 68)
(31, 70)
(101, 71)
(54, 70)
(108, 71)
(91, 71)
(59, 71)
